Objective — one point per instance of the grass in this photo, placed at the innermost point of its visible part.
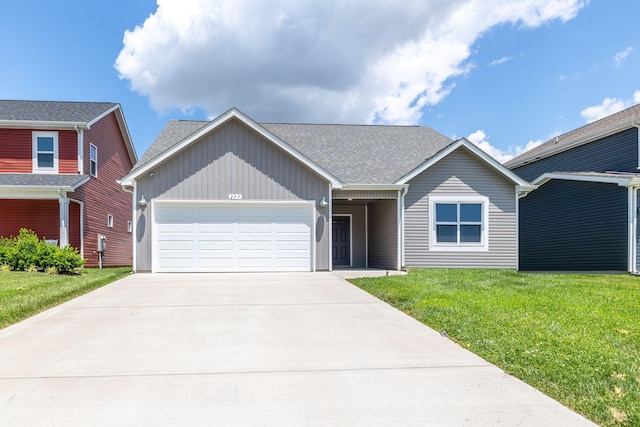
(24, 294)
(574, 337)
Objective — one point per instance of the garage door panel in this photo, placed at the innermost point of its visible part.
(214, 228)
(299, 246)
(215, 245)
(254, 228)
(254, 245)
(175, 245)
(233, 237)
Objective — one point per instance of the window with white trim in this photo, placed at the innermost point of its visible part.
(109, 220)
(45, 152)
(458, 223)
(93, 160)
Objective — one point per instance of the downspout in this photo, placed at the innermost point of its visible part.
(64, 219)
(134, 225)
(632, 220)
(330, 226)
(637, 126)
(80, 133)
(400, 227)
(405, 190)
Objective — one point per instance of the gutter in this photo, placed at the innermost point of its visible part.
(36, 124)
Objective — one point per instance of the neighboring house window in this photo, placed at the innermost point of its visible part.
(129, 226)
(45, 152)
(110, 221)
(458, 223)
(93, 160)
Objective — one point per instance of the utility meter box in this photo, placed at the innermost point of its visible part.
(102, 245)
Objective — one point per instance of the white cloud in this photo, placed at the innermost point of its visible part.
(621, 56)
(609, 106)
(479, 138)
(342, 60)
(500, 61)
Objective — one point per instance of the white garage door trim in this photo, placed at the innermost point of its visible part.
(305, 212)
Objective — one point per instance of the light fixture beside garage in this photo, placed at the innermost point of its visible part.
(323, 203)
(143, 202)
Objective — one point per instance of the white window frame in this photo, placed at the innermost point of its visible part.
(92, 160)
(458, 246)
(109, 220)
(34, 151)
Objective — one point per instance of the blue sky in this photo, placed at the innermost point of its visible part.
(506, 74)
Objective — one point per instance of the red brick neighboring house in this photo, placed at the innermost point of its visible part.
(59, 166)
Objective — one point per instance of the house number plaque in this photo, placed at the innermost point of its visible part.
(234, 196)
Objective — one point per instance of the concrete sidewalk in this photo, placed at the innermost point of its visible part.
(250, 349)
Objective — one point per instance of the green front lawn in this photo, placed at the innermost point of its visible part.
(25, 294)
(575, 337)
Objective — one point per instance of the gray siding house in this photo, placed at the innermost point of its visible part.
(232, 194)
(584, 213)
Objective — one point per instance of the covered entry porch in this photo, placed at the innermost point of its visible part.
(366, 228)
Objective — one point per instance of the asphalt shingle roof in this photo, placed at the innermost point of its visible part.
(53, 111)
(40, 180)
(563, 141)
(356, 154)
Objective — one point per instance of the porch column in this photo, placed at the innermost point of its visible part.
(64, 220)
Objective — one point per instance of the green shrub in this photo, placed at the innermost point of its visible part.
(66, 260)
(28, 253)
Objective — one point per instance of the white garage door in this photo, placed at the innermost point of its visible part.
(236, 236)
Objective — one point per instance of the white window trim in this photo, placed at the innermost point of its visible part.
(483, 246)
(34, 151)
(91, 160)
(109, 220)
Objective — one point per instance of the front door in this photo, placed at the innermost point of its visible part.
(341, 240)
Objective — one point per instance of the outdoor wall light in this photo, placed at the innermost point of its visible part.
(323, 202)
(142, 202)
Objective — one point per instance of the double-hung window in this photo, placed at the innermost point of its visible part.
(45, 152)
(93, 160)
(458, 223)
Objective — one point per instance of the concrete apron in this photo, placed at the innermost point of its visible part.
(250, 349)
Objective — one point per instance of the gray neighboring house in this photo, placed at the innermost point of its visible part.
(232, 194)
(584, 213)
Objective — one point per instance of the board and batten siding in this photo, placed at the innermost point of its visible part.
(383, 234)
(618, 152)
(462, 173)
(574, 225)
(232, 159)
(358, 232)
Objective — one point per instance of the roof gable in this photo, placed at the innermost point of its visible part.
(604, 127)
(476, 151)
(166, 145)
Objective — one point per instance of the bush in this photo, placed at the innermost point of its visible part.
(27, 253)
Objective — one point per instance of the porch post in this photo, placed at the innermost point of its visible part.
(64, 220)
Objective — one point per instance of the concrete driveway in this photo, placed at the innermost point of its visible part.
(250, 349)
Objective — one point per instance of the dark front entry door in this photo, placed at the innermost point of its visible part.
(341, 240)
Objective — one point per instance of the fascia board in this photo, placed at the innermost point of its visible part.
(41, 188)
(463, 142)
(37, 124)
(544, 178)
(378, 187)
(232, 113)
(104, 114)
